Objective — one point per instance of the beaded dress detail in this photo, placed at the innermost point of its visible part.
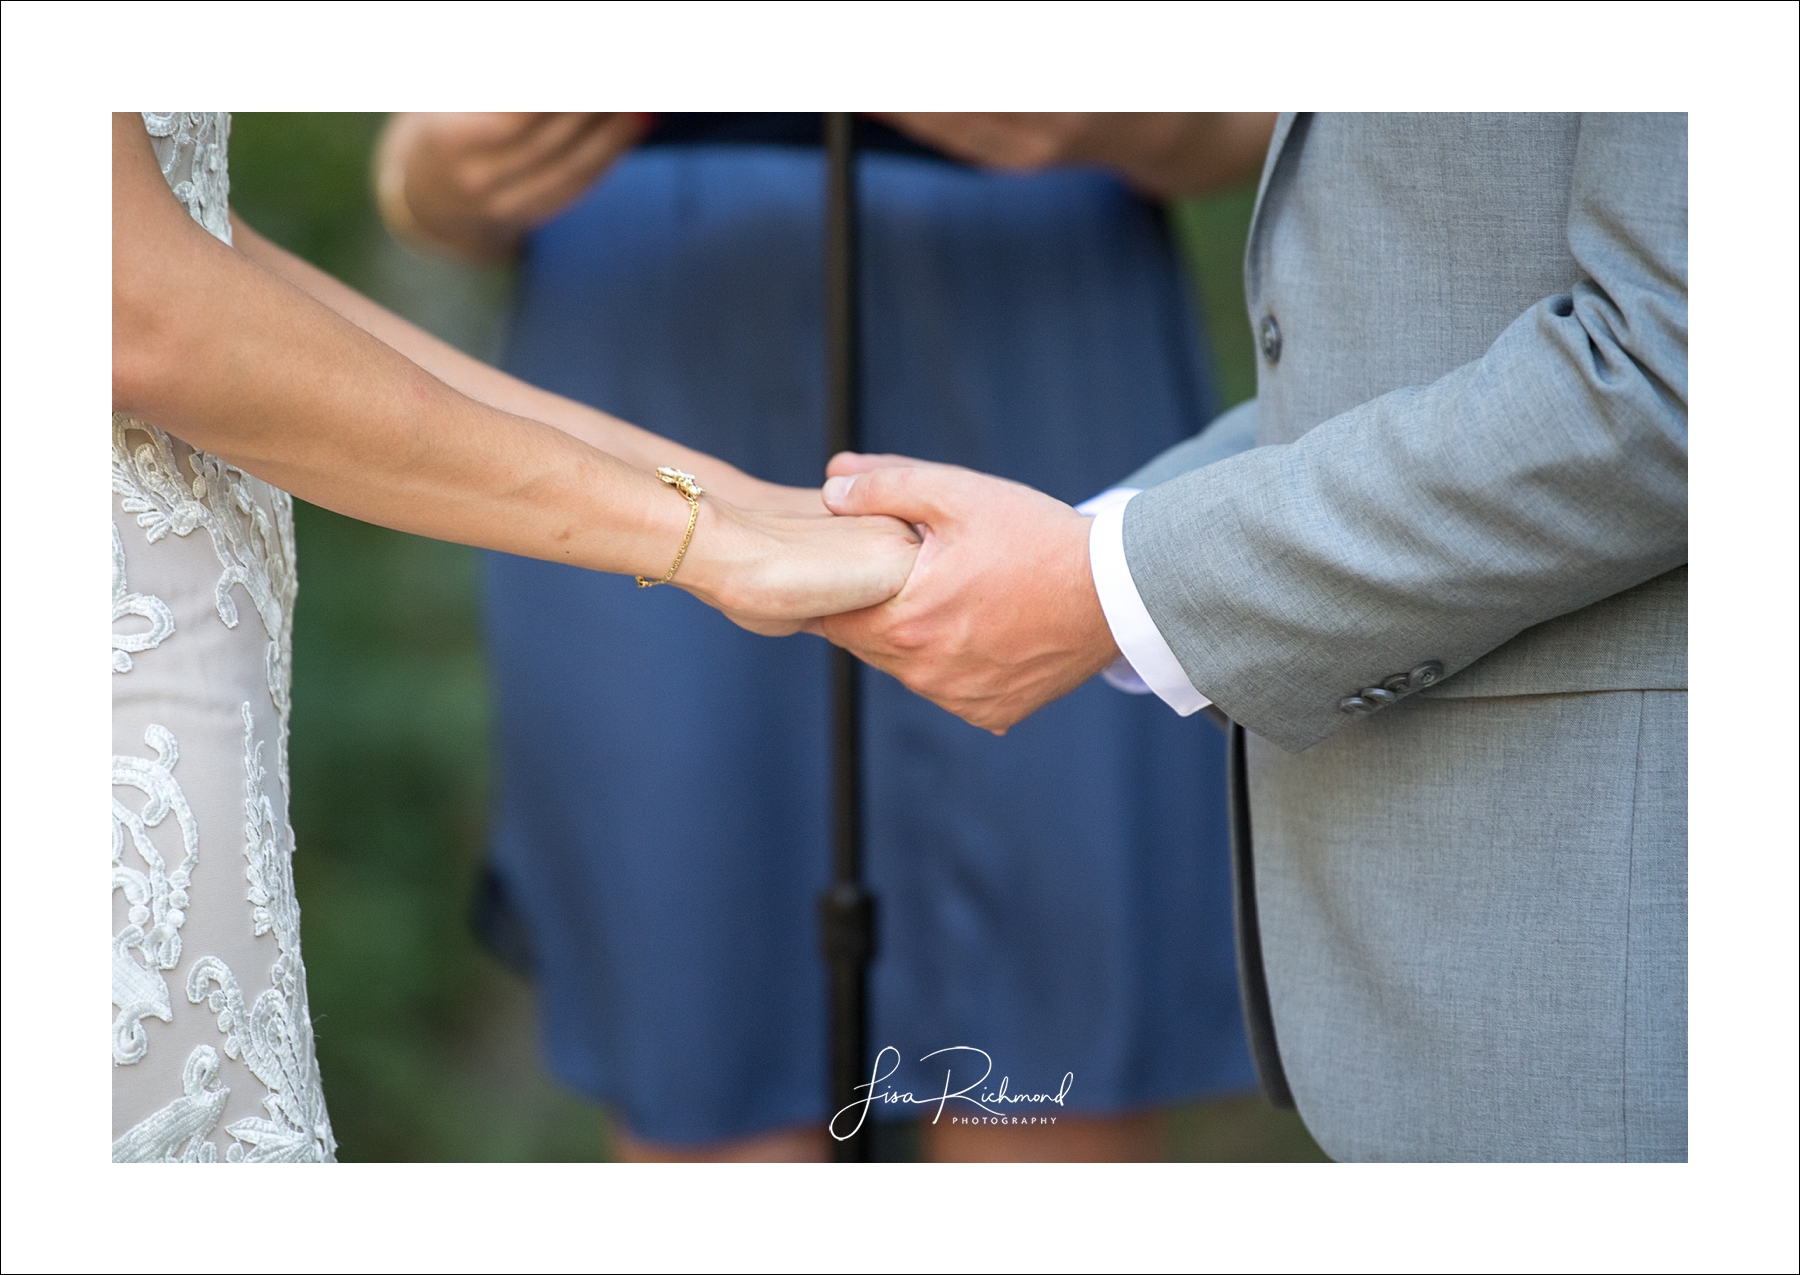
(212, 1039)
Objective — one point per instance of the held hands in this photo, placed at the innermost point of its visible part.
(773, 571)
(999, 615)
(973, 591)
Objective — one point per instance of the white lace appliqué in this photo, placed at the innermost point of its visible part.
(155, 895)
(151, 943)
(191, 147)
(146, 606)
(271, 1035)
(172, 490)
(274, 1035)
(180, 1130)
(255, 545)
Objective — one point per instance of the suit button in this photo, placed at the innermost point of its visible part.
(1268, 336)
(1377, 696)
(1397, 684)
(1427, 674)
(1355, 704)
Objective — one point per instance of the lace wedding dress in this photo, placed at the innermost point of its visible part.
(212, 1043)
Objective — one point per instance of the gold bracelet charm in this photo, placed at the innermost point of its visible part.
(685, 484)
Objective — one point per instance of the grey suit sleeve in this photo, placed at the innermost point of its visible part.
(1224, 437)
(1437, 521)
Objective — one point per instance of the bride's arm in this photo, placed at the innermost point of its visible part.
(224, 354)
(491, 386)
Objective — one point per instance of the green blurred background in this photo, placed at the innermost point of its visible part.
(427, 1044)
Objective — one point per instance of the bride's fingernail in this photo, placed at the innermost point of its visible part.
(837, 488)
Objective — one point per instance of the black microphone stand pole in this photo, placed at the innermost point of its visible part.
(846, 910)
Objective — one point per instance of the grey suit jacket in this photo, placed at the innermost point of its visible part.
(1446, 596)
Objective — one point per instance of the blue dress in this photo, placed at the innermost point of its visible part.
(1059, 897)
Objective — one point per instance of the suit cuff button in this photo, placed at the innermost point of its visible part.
(1377, 696)
(1428, 674)
(1355, 704)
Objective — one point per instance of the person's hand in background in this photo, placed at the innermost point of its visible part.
(999, 615)
(1161, 154)
(473, 183)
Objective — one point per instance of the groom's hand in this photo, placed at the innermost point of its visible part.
(999, 615)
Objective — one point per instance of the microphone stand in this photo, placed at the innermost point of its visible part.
(846, 910)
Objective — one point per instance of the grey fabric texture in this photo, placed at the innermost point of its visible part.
(1228, 434)
(1478, 421)
(1635, 640)
(1472, 449)
(1474, 928)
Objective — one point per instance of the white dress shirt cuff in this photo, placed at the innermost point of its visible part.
(1148, 664)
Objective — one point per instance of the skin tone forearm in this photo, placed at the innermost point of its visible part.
(232, 358)
(485, 384)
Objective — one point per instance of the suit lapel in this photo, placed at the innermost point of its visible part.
(1284, 127)
(1284, 124)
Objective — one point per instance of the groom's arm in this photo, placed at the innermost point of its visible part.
(1227, 435)
(1429, 525)
(1433, 524)
(1148, 665)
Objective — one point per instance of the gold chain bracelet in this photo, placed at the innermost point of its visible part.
(685, 484)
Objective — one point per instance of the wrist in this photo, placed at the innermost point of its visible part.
(781, 499)
(1090, 636)
(723, 548)
(748, 492)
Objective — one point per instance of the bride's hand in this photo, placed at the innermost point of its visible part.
(767, 497)
(772, 571)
